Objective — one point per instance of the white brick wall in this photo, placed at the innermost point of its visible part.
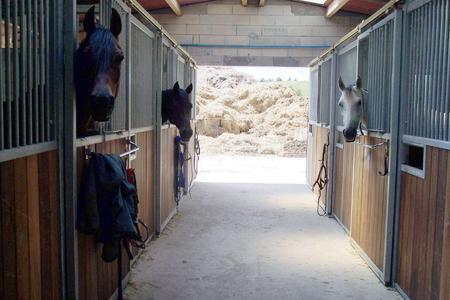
(279, 23)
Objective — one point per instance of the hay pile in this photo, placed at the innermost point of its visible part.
(238, 115)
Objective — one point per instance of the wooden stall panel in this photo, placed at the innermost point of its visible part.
(310, 156)
(320, 139)
(368, 214)
(343, 187)
(338, 186)
(144, 168)
(97, 279)
(29, 227)
(168, 203)
(423, 265)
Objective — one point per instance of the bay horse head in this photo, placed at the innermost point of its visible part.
(97, 70)
(352, 104)
(177, 108)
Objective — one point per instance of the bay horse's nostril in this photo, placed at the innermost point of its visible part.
(186, 134)
(102, 107)
(111, 100)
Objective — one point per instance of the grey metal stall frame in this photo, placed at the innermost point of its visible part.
(65, 116)
(389, 32)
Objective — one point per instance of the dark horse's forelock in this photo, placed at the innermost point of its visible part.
(97, 71)
(103, 45)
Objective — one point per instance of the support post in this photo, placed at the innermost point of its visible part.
(332, 145)
(393, 196)
(187, 155)
(67, 155)
(158, 73)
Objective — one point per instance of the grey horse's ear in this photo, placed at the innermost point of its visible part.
(341, 84)
(89, 21)
(359, 83)
(116, 23)
(189, 89)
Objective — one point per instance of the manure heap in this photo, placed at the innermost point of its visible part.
(238, 115)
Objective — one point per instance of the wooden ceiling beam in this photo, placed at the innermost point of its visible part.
(335, 6)
(175, 6)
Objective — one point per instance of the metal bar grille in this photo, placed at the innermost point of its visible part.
(119, 116)
(180, 72)
(325, 92)
(347, 70)
(142, 41)
(314, 95)
(194, 92)
(375, 67)
(25, 117)
(426, 62)
(165, 82)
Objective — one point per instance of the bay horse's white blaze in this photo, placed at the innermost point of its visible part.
(352, 104)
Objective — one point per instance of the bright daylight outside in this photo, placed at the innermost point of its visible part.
(257, 116)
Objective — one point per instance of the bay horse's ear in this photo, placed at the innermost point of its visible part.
(341, 84)
(89, 21)
(189, 89)
(116, 23)
(359, 83)
(176, 88)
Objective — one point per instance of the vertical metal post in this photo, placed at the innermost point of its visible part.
(434, 75)
(35, 73)
(22, 81)
(332, 145)
(48, 117)
(187, 81)
(129, 117)
(68, 160)
(394, 152)
(2, 98)
(8, 75)
(158, 72)
(15, 75)
(444, 75)
(41, 16)
(29, 106)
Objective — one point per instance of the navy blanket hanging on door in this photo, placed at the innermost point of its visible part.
(106, 203)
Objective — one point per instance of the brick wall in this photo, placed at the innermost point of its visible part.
(282, 33)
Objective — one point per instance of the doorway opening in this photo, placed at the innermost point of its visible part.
(252, 123)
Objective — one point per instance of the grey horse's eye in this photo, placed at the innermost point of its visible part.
(340, 104)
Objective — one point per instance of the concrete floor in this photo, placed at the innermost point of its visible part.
(251, 231)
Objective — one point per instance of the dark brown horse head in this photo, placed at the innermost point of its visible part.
(177, 108)
(97, 70)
